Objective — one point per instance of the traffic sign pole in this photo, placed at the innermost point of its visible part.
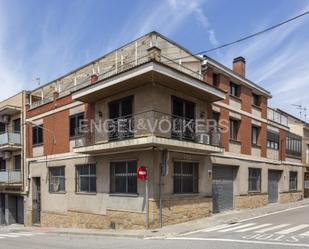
(147, 203)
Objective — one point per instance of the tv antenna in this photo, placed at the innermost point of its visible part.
(37, 79)
(302, 110)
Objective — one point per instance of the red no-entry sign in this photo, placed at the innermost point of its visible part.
(142, 173)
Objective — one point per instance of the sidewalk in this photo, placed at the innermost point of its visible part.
(172, 230)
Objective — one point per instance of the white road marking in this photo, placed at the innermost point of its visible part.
(219, 227)
(253, 218)
(293, 229)
(305, 234)
(273, 213)
(8, 235)
(272, 228)
(237, 227)
(253, 228)
(289, 245)
(21, 234)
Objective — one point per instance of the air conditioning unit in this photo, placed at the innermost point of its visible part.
(7, 155)
(5, 119)
(203, 139)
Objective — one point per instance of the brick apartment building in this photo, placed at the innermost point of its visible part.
(301, 128)
(256, 168)
(82, 175)
(12, 159)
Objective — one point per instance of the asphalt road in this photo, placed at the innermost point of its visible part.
(288, 229)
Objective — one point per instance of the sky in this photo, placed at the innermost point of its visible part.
(47, 39)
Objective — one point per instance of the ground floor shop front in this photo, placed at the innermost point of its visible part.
(239, 183)
(103, 191)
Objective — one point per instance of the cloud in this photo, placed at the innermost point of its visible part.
(212, 38)
(167, 17)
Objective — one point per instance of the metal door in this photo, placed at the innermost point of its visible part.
(273, 185)
(222, 188)
(36, 200)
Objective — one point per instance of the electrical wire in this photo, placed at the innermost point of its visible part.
(249, 36)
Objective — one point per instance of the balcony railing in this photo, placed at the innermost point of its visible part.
(10, 138)
(149, 123)
(10, 177)
(40, 102)
(120, 61)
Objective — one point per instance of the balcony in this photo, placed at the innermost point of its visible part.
(10, 177)
(149, 129)
(10, 141)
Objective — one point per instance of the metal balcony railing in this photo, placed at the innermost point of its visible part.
(10, 138)
(10, 177)
(149, 123)
(40, 102)
(118, 62)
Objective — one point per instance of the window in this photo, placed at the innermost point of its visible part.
(56, 179)
(272, 140)
(216, 80)
(75, 124)
(216, 118)
(293, 145)
(234, 128)
(86, 178)
(2, 128)
(37, 135)
(121, 119)
(123, 177)
(254, 180)
(293, 181)
(255, 99)
(234, 89)
(17, 162)
(255, 135)
(2, 165)
(183, 119)
(185, 177)
(16, 125)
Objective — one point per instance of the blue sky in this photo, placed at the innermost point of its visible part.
(50, 38)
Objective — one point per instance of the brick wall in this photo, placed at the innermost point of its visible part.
(245, 135)
(49, 106)
(56, 124)
(245, 96)
(224, 116)
(263, 140)
(282, 144)
(246, 123)
(59, 124)
(263, 107)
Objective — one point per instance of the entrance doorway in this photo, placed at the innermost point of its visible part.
(36, 200)
(222, 188)
(273, 185)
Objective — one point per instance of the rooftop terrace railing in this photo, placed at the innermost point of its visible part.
(124, 59)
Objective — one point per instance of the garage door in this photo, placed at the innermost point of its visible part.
(222, 188)
(273, 185)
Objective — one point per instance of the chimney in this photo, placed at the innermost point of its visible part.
(94, 78)
(239, 66)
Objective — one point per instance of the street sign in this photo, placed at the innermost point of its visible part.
(142, 173)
